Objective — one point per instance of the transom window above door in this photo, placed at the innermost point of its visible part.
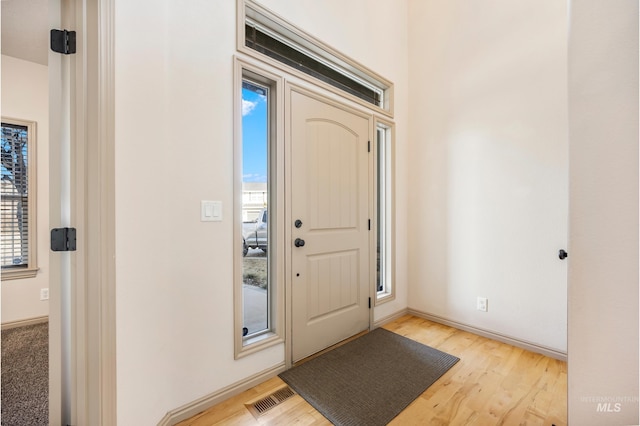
(262, 33)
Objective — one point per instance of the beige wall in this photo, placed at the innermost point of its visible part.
(603, 272)
(489, 165)
(174, 147)
(25, 95)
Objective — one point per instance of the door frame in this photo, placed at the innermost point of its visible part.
(57, 117)
(82, 316)
(332, 98)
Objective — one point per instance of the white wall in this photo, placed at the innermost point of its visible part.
(25, 95)
(603, 271)
(489, 157)
(174, 147)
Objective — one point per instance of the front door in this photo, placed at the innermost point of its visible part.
(330, 215)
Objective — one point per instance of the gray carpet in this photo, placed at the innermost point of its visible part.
(369, 380)
(25, 376)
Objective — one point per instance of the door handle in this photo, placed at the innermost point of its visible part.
(298, 223)
(563, 254)
(299, 242)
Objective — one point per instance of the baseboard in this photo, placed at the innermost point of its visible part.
(25, 322)
(208, 401)
(390, 318)
(533, 347)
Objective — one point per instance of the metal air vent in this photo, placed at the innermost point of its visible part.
(258, 408)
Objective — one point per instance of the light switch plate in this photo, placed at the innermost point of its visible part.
(210, 211)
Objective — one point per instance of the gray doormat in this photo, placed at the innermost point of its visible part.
(369, 380)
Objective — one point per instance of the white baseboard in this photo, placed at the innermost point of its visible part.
(533, 347)
(208, 401)
(25, 322)
(389, 318)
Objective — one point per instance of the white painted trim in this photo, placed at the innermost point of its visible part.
(106, 300)
(199, 405)
(92, 362)
(24, 322)
(530, 346)
(59, 130)
(390, 318)
(82, 316)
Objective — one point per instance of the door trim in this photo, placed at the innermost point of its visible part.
(95, 207)
(56, 131)
(345, 105)
(88, 394)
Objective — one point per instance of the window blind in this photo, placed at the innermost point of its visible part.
(14, 197)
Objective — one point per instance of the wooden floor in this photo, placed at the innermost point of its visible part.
(492, 384)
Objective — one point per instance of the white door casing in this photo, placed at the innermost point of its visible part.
(82, 182)
(330, 197)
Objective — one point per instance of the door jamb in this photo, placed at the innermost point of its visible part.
(95, 209)
(90, 355)
(58, 117)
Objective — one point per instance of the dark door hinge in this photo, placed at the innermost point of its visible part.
(369, 224)
(369, 303)
(63, 41)
(368, 146)
(63, 239)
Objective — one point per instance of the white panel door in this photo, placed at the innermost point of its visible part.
(330, 214)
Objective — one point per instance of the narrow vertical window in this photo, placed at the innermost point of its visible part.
(255, 208)
(258, 193)
(17, 247)
(384, 212)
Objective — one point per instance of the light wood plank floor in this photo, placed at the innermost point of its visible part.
(492, 384)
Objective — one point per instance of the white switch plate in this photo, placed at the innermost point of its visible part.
(44, 294)
(210, 211)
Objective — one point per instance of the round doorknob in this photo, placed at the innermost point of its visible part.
(299, 242)
(563, 254)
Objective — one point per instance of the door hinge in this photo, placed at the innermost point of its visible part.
(63, 239)
(369, 303)
(63, 41)
(369, 225)
(368, 146)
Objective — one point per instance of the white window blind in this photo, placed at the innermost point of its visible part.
(14, 204)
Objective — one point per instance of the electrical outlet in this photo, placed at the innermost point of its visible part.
(482, 304)
(44, 294)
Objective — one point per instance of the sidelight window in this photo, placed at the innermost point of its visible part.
(256, 285)
(255, 229)
(384, 212)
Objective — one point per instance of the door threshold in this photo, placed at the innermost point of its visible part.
(330, 348)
